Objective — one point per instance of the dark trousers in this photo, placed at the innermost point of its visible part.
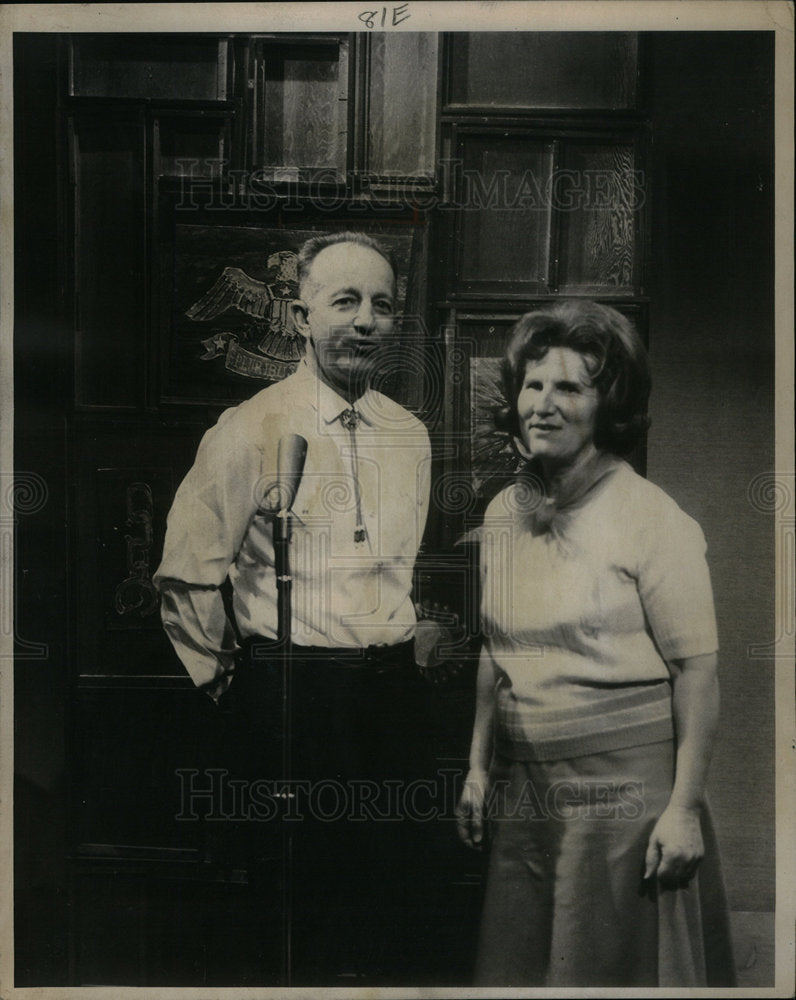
(360, 798)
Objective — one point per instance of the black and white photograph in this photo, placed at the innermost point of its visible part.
(397, 499)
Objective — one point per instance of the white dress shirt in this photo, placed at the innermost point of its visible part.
(345, 594)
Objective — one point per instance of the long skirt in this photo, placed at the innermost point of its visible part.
(566, 903)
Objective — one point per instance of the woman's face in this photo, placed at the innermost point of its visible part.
(557, 407)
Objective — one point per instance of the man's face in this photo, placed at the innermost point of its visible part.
(346, 311)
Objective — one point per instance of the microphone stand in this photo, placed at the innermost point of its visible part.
(291, 453)
(282, 528)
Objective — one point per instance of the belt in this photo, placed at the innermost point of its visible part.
(378, 658)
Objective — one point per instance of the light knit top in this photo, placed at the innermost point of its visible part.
(582, 607)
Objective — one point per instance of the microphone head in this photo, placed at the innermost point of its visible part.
(290, 457)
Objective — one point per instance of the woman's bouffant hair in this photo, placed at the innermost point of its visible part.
(615, 359)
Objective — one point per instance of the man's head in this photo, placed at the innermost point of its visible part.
(347, 289)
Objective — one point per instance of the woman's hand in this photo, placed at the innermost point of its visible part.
(470, 810)
(675, 846)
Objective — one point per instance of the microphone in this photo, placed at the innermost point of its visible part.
(291, 454)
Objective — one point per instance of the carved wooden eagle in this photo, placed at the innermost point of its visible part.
(267, 302)
(233, 290)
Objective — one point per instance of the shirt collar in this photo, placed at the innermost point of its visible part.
(329, 404)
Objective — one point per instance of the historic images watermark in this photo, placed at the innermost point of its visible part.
(211, 184)
(212, 794)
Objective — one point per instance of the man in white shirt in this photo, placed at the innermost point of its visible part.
(359, 516)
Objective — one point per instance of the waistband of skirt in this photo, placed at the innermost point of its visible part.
(615, 719)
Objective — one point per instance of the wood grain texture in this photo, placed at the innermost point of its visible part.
(506, 213)
(598, 243)
(306, 108)
(623, 63)
(109, 260)
(150, 66)
(535, 69)
(190, 146)
(402, 102)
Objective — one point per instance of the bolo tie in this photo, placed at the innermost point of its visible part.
(350, 420)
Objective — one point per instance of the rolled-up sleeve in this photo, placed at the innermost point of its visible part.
(206, 525)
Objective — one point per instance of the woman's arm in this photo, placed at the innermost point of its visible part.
(470, 811)
(675, 846)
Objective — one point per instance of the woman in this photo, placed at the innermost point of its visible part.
(597, 695)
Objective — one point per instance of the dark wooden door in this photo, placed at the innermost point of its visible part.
(121, 166)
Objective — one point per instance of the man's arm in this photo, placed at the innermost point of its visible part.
(206, 524)
(195, 621)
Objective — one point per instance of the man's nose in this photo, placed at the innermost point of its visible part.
(365, 318)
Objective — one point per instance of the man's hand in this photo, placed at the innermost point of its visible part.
(675, 846)
(437, 633)
(470, 810)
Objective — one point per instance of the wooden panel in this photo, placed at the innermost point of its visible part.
(123, 519)
(597, 239)
(402, 104)
(137, 929)
(577, 69)
(124, 479)
(505, 213)
(222, 345)
(132, 751)
(109, 909)
(110, 262)
(303, 123)
(130, 746)
(486, 458)
(190, 146)
(169, 66)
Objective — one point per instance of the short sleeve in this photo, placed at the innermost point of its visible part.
(493, 537)
(674, 585)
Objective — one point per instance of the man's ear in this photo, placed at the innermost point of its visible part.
(298, 310)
